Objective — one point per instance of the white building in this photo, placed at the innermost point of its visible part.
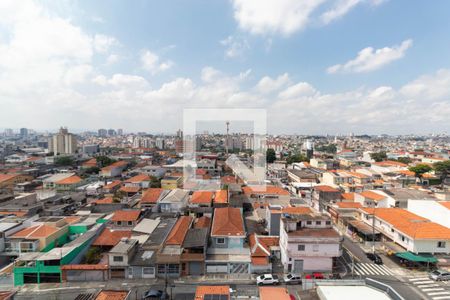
(308, 241)
(436, 211)
(62, 143)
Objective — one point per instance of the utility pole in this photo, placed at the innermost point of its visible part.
(226, 138)
(373, 231)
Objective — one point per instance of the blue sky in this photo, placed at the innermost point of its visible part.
(327, 66)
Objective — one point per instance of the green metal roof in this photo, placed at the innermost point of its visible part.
(416, 257)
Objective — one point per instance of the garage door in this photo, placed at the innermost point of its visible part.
(217, 269)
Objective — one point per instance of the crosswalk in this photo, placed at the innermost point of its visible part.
(434, 290)
(367, 269)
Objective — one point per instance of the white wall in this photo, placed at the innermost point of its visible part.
(431, 210)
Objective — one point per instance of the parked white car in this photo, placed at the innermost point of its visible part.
(440, 275)
(267, 279)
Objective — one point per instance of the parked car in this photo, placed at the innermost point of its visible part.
(375, 258)
(292, 279)
(440, 275)
(314, 276)
(154, 294)
(267, 279)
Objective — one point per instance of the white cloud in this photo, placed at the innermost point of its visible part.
(370, 59)
(434, 86)
(120, 80)
(152, 63)
(298, 90)
(341, 8)
(112, 59)
(235, 46)
(267, 84)
(267, 16)
(102, 43)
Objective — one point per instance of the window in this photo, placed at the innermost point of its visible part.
(441, 244)
(392, 229)
(301, 247)
(148, 271)
(118, 258)
(403, 238)
(130, 223)
(328, 222)
(220, 241)
(318, 222)
(119, 223)
(315, 248)
(309, 222)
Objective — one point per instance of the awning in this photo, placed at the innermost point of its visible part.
(363, 227)
(428, 258)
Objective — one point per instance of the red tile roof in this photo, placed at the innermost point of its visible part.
(126, 215)
(6, 177)
(227, 221)
(297, 210)
(348, 204)
(203, 290)
(35, 232)
(130, 189)
(267, 190)
(151, 195)
(348, 196)
(202, 197)
(221, 196)
(138, 178)
(112, 184)
(112, 295)
(70, 180)
(110, 237)
(179, 231)
(445, 204)
(107, 200)
(326, 188)
(203, 222)
(410, 224)
(372, 195)
(272, 293)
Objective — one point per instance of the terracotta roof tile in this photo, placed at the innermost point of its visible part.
(326, 188)
(372, 195)
(203, 290)
(179, 231)
(268, 190)
(138, 178)
(227, 221)
(203, 222)
(70, 180)
(348, 196)
(151, 195)
(221, 196)
(112, 295)
(110, 237)
(126, 215)
(272, 293)
(202, 197)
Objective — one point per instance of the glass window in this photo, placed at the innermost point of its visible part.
(309, 222)
(318, 222)
(148, 271)
(118, 258)
(441, 244)
(301, 247)
(220, 241)
(130, 223)
(328, 222)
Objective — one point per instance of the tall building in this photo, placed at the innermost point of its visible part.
(120, 131)
(102, 132)
(111, 132)
(160, 143)
(23, 132)
(9, 132)
(62, 143)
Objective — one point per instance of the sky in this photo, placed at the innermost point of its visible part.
(316, 66)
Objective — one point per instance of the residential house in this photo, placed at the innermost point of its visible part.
(227, 252)
(109, 238)
(151, 197)
(436, 211)
(323, 195)
(112, 187)
(205, 292)
(113, 170)
(126, 218)
(272, 293)
(263, 249)
(8, 181)
(171, 182)
(308, 242)
(142, 181)
(119, 257)
(408, 230)
(169, 256)
(50, 181)
(374, 199)
(175, 201)
(69, 183)
(220, 198)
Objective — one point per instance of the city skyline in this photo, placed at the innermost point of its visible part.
(326, 66)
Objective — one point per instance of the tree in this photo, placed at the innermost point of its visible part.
(443, 169)
(155, 182)
(419, 170)
(270, 155)
(330, 148)
(104, 161)
(93, 255)
(378, 156)
(296, 158)
(64, 161)
(404, 160)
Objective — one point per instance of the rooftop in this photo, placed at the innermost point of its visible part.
(227, 221)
